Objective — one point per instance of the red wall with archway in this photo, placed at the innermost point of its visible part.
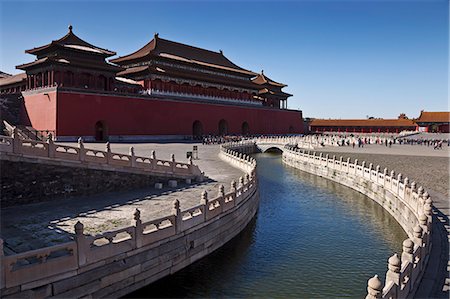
(78, 113)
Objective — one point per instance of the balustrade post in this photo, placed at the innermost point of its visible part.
(341, 160)
(424, 224)
(51, 146)
(393, 273)
(417, 233)
(348, 165)
(406, 183)
(82, 246)
(81, 150)
(173, 163)
(205, 203)
(408, 249)
(138, 229)
(221, 191)
(108, 152)
(241, 182)
(374, 288)
(177, 213)
(132, 157)
(428, 209)
(16, 141)
(247, 178)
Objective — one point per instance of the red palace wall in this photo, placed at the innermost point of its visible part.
(40, 111)
(78, 113)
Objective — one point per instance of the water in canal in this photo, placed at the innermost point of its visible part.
(311, 238)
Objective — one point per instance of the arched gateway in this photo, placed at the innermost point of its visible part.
(245, 128)
(197, 129)
(101, 131)
(223, 127)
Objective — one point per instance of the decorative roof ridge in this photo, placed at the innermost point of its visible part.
(78, 41)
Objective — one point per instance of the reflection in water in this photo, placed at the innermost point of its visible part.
(312, 238)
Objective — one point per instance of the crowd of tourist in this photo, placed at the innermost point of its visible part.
(435, 143)
(353, 140)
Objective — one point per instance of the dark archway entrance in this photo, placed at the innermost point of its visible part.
(223, 127)
(245, 128)
(197, 129)
(291, 129)
(101, 131)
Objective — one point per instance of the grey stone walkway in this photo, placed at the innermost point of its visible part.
(50, 223)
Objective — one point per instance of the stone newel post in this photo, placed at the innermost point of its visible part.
(204, 201)
(173, 163)
(233, 186)
(418, 235)
(374, 288)
(51, 146)
(81, 150)
(393, 273)
(153, 161)
(16, 141)
(82, 246)
(132, 157)
(138, 228)
(177, 213)
(108, 152)
(221, 191)
(241, 182)
(408, 249)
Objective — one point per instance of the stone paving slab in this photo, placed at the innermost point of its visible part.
(50, 223)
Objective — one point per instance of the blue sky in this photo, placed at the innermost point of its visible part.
(340, 59)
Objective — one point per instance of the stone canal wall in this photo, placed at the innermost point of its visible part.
(410, 206)
(25, 181)
(35, 170)
(118, 262)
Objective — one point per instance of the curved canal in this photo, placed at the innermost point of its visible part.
(312, 238)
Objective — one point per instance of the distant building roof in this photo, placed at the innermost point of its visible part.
(13, 79)
(164, 48)
(434, 117)
(263, 79)
(71, 41)
(4, 75)
(362, 123)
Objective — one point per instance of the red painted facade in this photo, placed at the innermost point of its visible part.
(74, 114)
(164, 89)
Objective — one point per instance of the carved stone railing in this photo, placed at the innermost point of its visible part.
(316, 141)
(44, 266)
(49, 149)
(235, 153)
(410, 206)
(301, 141)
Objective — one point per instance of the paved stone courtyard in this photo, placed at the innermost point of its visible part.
(48, 223)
